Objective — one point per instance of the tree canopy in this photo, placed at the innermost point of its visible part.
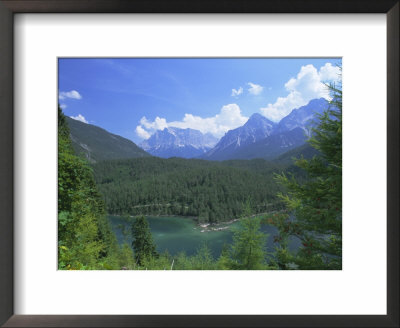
(210, 191)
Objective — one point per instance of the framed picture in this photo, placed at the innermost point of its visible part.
(168, 92)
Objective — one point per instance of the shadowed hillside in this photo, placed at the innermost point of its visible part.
(96, 144)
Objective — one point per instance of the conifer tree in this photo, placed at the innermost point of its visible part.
(142, 243)
(203, 259)
(316, 204)
(248, 249)
(85, 239)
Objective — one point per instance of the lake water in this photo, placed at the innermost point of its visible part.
(177, 234)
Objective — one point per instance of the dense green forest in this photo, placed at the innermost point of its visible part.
(210, 191)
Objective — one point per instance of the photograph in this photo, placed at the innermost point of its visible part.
(199, 163)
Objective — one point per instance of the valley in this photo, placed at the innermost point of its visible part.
(187, 173)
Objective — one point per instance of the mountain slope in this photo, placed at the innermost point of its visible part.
(273, 146)
(303, 117)
(256, 128)
(304, 150)
(97, 144)
(175, 142)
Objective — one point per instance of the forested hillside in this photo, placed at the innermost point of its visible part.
(96, 144)
(211, 191)
(306, 151)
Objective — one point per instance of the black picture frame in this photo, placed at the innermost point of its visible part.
(10, 7)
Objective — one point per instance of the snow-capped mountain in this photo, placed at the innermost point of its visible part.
(256, 128)
(257, 138)
(303, 117)
(261, 138)
(271, 147)
(176, 142)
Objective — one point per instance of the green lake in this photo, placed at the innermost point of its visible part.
(177, 234)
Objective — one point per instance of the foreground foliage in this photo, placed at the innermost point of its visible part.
(85, 239)
(247, 252)
(316, 203)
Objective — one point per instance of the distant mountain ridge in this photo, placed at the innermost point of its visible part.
(261, 138)
(176, 142)
(97, 144)
(271, 147)
(257, 138)
(303, 117)
(256, 128)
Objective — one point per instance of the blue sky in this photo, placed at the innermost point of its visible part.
(134, 97)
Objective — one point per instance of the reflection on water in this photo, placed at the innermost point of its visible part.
(177, 234)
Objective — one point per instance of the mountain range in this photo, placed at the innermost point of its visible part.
(262, 138)
(175, 142)
(257, 138)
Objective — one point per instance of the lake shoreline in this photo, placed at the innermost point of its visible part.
(213, 226)
(206, 227)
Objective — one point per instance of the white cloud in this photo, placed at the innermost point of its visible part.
(307, 85)
(73, 94)
(230, 117)
(63, 106)
(237, 92)
(329, 72)
(255, 89)
(157, 124)
(80, 117)
(142, 133)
